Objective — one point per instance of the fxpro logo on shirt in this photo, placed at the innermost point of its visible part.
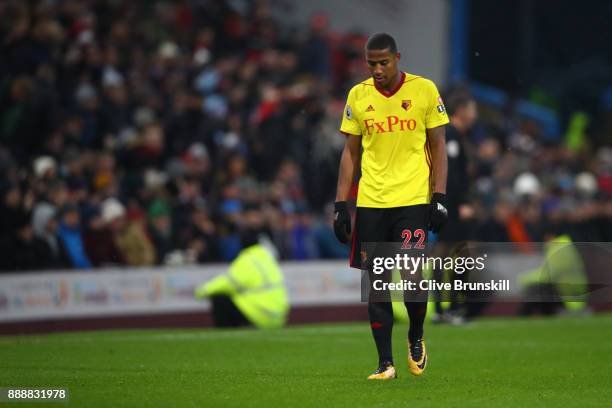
(390, 124)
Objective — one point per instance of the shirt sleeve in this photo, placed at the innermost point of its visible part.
(232, 282)
(350, 123)
(436, 112)
(219, 285)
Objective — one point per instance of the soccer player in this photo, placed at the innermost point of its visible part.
(398, 120)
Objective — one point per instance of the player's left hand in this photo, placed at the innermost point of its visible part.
(438, 214)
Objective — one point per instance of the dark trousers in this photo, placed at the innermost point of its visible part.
(226, 314)
(550, 301)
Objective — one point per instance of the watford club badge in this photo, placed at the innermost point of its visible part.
(406, 104)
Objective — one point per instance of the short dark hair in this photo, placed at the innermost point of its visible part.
(381, 41)
(456, 99)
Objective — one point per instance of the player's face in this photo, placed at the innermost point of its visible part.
(382, 65)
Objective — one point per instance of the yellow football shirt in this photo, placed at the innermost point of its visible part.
(395, 163)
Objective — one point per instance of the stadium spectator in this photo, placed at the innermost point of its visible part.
(99, 242)
(128, 235)
(25, 252)
(45, 228)
(202, 237)
(70, 234)
(160, 229)
(10, 214)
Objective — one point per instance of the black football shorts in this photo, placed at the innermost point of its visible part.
(398, 224)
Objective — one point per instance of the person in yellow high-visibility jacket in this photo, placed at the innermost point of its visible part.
(559, 283)
(252, 292)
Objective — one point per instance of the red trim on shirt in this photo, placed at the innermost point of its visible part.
(428, 158)
(393, 91)
(353, 244)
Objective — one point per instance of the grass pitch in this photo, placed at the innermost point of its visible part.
(505, 362)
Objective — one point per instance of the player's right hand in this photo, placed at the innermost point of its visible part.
(438, 214)
(342, 221)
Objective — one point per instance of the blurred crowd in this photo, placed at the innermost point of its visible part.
(136, 133)
(139, 133)
(526, 188)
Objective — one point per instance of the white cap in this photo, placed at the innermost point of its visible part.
(85, 92)
(198, 151)
(154, 178)
(111, 77)
(43, 164)
(586, 184)
(526, 184)
(168, 49)
(112, 209)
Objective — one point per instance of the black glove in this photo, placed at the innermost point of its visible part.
(438, 214)
(342, 222)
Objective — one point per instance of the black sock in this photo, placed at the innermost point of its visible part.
(381, 322)
(416, 312)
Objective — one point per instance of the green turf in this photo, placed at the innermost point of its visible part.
(556, 362)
